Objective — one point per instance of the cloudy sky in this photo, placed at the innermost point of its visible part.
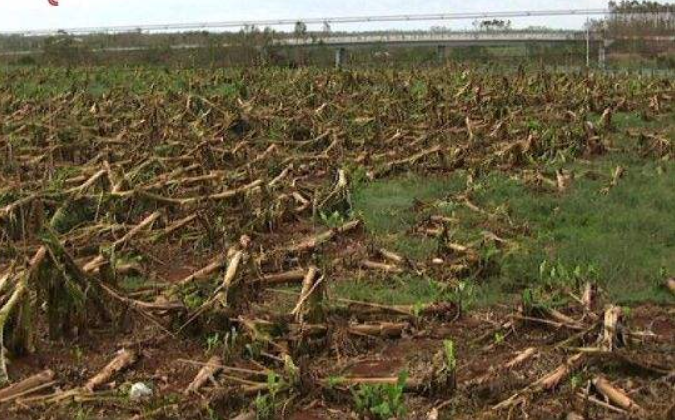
(38, 14)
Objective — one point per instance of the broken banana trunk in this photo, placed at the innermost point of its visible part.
(310, 305)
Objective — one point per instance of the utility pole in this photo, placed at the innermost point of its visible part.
(339, 57)
(588, 43)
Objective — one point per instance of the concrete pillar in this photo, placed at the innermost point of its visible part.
(440, 53)
(602, 53)
(339, 57)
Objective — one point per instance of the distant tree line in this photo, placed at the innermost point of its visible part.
(638, 18)
(492, 25)
(641, 31)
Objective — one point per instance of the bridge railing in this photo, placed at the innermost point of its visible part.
(433, 37)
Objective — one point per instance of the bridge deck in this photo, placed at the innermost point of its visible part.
(433, 38)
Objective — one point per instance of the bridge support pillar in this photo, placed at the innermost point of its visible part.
(340, 57)
(440, 53)
(602, 53)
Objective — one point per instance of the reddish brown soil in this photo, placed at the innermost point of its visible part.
(165, 364)
(169, 362)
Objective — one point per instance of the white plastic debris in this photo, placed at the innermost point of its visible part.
(139, 391)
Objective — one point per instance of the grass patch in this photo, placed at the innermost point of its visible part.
(626, 234)
(136, 282)
(388, 208)
(396, 290)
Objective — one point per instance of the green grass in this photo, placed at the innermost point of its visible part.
(133, 283)
(624, 120)
(395, 290)
(388, 209)
(391, 290)
(627, 235)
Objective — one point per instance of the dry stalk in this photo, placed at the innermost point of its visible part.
(615, 395)
(123, 360)
(206, 373)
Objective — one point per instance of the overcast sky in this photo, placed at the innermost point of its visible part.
(38, 14)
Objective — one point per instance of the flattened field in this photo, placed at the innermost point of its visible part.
(315, 244)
